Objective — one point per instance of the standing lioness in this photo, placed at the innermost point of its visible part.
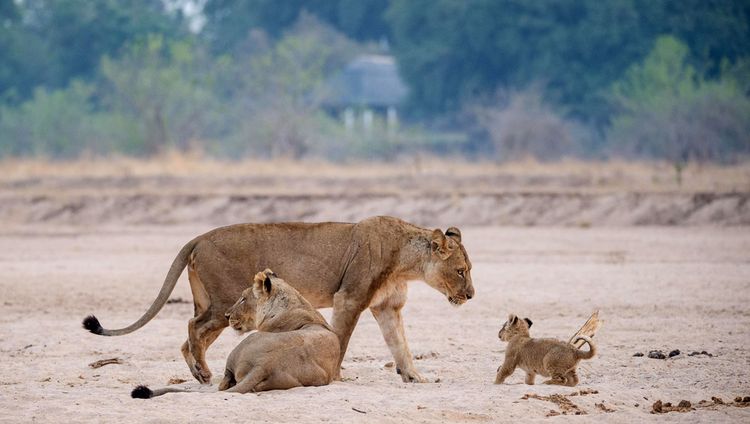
(294, 345)
(351, 267)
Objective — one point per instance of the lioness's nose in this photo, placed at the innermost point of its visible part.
(470, 292)
(469, 295)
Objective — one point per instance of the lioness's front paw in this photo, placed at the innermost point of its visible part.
(412, 376)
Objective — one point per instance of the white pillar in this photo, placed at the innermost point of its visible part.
(349, 119)
(392, 119)
(367, 119)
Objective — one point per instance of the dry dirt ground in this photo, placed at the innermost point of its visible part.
(657, 288)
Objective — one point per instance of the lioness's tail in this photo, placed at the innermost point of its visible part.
(592, 348)
(91, 323)
(143, 392)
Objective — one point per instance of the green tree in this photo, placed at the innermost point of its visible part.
(63, 123)
(50, 42)
(229, 22)
(167, 88)
(25, 58)
(276, 90)
(451, 51)
(669, 111)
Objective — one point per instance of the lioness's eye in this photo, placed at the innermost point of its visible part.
(242, 301)
(460, 273)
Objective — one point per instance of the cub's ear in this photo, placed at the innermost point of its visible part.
(440, 245)
(454, 233)
(267, 285)
(528, 321)
(512, 319)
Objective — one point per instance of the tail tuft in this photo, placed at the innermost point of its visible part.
(141, 392)
(92, 324)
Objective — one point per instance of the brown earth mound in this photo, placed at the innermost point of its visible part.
(187, 191)
(529, 208)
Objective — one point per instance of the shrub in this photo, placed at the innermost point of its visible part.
(667, 112)
(524, 126)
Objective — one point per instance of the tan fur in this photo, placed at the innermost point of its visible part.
(546, 357)
(294, 345)
(351, 267)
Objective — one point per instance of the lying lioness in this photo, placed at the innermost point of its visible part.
(294, 345)
(546, 357)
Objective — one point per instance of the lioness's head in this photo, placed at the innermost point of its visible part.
(271, 304)
(449, 268)
(514, 326)
(241, 315)
(280, 307)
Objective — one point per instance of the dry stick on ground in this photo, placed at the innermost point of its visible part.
(590, 327)
(102, 362)
(567, 407)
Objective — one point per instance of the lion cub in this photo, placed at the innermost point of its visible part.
(546, 357)
(294, 345)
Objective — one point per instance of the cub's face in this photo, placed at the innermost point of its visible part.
(449, 268)
(242, 314)
(514, 326)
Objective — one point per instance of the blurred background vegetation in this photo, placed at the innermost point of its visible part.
(500, 79)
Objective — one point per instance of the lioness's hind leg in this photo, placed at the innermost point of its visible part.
(249, 384)
(228, 381)
(185, 349)
(202, 331)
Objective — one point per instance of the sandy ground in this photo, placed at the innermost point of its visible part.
(657, 288)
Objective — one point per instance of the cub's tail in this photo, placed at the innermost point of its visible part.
(592, 348)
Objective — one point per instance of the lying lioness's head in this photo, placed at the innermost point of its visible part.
(449, 268)
(241, 315)
(272, 305)
(514, 326)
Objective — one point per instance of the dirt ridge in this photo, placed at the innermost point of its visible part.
(528, 208)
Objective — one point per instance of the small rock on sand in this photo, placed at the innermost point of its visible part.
(657, 354)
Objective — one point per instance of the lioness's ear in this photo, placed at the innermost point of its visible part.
(454, 233)
(268, 271)
(528, 321)
(257, 288)
(259, 277)
(440, 245)
(267, 285)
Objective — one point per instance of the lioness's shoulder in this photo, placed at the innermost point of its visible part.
(386, 224)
